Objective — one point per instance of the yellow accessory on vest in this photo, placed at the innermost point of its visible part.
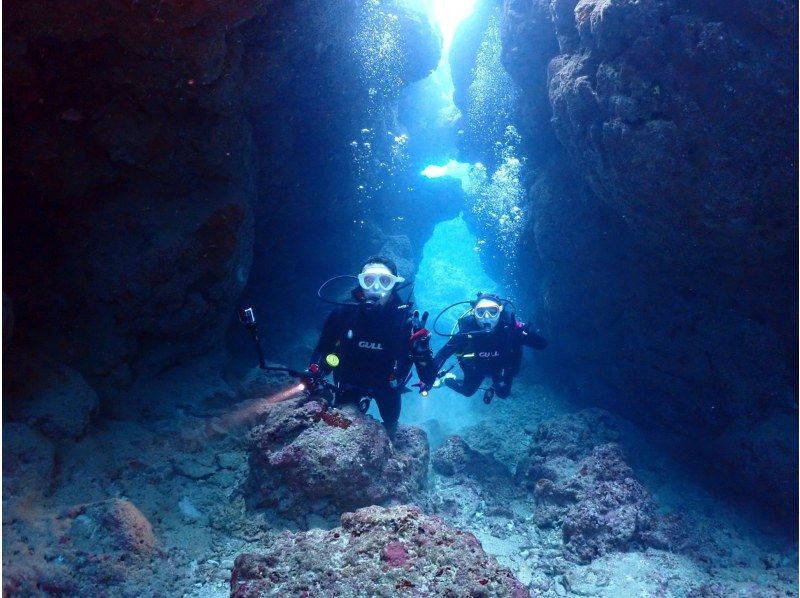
(332, 360)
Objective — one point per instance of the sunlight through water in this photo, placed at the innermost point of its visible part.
(448, 14)
(453, 169)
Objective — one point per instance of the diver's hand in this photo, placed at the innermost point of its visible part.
(311, 377)
(417, 322)
(533, 337)
(420, 342)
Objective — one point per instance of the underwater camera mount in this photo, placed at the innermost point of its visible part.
(311, 380)
(248, 318)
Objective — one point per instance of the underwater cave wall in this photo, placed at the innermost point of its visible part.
(152, 147)
(129, 184)
(662, 239)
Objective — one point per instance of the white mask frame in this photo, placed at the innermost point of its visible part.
(487, 313)
(377, 280)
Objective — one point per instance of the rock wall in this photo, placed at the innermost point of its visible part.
(663, 181)
(129, 181)
(153, 146)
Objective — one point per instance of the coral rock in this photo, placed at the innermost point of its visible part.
(456, 458)
(376, 552)
(114, 525)
(560, 443)
(612, 510)
(395, 554)
(107, 544)
(581, 483)
(306, 451)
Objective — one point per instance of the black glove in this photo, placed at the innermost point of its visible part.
(532, 338)
(420, 341)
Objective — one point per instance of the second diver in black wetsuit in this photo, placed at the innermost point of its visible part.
(370, 345)
(488, 343)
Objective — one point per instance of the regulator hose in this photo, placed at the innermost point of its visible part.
(326, 283)
(441, 313)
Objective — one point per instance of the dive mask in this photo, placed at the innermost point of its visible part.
(377, 280)
(487, 313)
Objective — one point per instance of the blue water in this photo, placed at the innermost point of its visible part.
(450, 271)
(183, 454)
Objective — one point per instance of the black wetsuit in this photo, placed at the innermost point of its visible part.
(372, 343)
(496, 354)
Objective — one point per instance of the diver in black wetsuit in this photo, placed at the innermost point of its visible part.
(370, 345)
(488, 343)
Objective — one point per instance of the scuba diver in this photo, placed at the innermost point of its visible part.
(370, 344)
(488, 343)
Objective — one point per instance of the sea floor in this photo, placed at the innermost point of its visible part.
(185, 475)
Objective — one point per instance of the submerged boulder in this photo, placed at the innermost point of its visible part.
(456, 458)
(307, 452)
(582, 485)
(48, 395)
(611, 511)
(109, 526)
(560, 443)
(102, 548)
(376, 552)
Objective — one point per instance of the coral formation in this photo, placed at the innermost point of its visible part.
(308, 457)
(88, 549)
(456, 458)
(376, 551)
